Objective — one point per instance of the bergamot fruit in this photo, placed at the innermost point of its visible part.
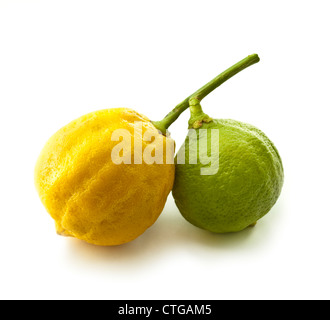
(228, 173)
(244, 185)
(90, 196)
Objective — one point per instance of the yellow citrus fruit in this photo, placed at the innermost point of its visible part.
(87, 194)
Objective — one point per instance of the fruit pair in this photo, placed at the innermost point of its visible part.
(106, 176)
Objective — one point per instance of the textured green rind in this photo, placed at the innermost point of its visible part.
(246, 187)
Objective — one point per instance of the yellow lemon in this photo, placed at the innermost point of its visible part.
(94, 198)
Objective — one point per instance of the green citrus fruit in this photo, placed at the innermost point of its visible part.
(246, 185)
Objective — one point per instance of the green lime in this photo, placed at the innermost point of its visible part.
(228, 173)
(243, 185)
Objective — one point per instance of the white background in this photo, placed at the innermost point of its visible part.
(62, 59)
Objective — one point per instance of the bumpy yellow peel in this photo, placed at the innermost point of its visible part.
(92, 198)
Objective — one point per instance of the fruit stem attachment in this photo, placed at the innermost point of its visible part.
(194, 100)
(198, 117)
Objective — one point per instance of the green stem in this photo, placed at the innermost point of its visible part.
(200, 94)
